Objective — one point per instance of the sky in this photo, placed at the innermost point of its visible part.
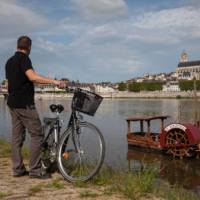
(101, 40)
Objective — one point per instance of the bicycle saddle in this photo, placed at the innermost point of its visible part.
(56, 108)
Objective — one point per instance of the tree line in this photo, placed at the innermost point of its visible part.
(184, 85)
(137, 87)
(188, 85)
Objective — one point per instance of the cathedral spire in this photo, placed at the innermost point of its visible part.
(184, 56)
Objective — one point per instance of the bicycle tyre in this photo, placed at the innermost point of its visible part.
(66, 146)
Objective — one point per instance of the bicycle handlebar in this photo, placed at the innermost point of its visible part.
(72, 89)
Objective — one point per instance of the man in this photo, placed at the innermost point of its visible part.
(21, 76)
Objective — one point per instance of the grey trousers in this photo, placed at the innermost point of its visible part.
(22, 119)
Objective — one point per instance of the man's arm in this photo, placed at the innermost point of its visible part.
(36, 78)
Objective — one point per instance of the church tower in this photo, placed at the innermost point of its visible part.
(184, 57)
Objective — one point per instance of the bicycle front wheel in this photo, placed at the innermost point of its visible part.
(81, 152)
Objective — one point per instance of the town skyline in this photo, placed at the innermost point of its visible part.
(96, 41)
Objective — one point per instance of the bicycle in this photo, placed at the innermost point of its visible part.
(79, 152)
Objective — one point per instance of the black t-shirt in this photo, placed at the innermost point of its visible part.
(20, 88)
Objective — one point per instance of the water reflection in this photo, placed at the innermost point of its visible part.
(174, 171)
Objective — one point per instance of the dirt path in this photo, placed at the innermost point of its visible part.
(53, 189)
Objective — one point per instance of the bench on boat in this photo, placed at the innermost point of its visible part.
(147, 139)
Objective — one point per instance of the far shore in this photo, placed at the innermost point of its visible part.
(113, 95)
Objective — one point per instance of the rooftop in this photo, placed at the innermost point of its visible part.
(189, 63)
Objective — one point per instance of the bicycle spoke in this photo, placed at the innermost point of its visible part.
(88, 147)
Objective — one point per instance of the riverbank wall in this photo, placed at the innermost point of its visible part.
(156, 94)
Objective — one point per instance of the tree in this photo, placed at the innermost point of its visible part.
(186, 85)
(4, 82)
(134, 87)
(122, 86)
(145, 86)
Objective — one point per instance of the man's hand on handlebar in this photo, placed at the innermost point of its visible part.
(60, 84)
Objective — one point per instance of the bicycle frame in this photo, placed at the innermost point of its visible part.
(72, 124)
(55, 129)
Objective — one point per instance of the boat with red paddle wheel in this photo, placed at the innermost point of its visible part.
(180, 140)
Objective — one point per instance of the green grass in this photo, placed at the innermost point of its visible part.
(55, 184)
(175, 193)
(138, 185)
(131, 185)
(3, 194)
(35, 189)
(88, 194)
(5, 150)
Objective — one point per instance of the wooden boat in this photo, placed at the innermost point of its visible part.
(177, 139)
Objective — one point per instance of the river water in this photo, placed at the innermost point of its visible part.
(110, 118)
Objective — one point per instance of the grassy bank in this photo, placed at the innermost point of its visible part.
(138, 185)
(5, 150)
(143, 184)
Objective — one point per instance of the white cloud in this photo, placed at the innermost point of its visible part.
(100, 9)
(170, 18)
(16, 19)
(50, 46)
(171, 25)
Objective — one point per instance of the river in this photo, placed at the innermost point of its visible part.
(110, 118)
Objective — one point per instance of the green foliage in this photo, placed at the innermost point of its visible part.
(145, 86)
(122, 86)
(3, 82)
(188, 85)
(134, 87)
(178, 97)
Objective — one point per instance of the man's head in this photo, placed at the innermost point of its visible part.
(24, 44)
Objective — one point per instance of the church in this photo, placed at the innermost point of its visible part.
(186, 69)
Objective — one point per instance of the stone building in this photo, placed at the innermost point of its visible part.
(171, 86)
(186, 69)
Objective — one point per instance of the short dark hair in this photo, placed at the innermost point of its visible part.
(24, 43)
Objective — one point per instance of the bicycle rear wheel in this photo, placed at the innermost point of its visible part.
(81, 153)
